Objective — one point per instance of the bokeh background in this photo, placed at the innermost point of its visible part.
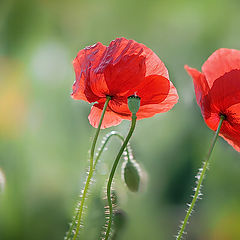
(45, 135)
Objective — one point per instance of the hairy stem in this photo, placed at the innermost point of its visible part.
(108, 136)
(78, 217)
(133, 124)
(200, 180)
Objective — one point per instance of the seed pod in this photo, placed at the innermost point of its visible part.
(134, 103)
(131, 175)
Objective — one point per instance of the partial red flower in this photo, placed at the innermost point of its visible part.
(217, 91)
(120, 70)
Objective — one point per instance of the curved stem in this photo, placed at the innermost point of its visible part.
(78, 215)
(113, 133)
(134, 118)
(200, 179)
(108, 137)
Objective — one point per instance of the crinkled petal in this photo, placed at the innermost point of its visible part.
(122, 67)
(126, 63)
(220, 62)
(125, 74)
(87, 59)
(110, 118)
(98, 84)
(119, 48)
(200, 84)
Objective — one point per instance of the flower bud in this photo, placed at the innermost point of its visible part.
(119, 219)
(134, 103)
(131, 175)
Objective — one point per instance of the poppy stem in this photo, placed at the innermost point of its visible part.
(108, 136)
(78, 217)
(200, 178)
(110, 179)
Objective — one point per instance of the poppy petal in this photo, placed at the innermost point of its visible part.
(226, 90)
(98, 84)
(211, 118)
(134, 60)
(154, 66)
(228, 132)
(233, 142)
(122, 66)
(125, 74)
(120, 107)
(151, 103)
(154, 89)
(200, 84)
(220, 62)
(231, 127)
(119, 48)
(109, 119)
(145, 111)
(86, 59)
(164, 106)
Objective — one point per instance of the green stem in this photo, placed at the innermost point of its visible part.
(78, 215)
(134, 118)
(200, 179)
(108, 137)
(113, 133)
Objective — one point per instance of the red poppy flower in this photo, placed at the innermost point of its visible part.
(120, 70)
(217, 91)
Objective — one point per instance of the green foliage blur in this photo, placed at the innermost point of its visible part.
(45, 135)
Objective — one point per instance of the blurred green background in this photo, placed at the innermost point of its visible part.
(45, 135)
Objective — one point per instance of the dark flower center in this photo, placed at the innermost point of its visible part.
(223, 115)
(134, 96)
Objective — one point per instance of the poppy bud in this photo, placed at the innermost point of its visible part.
(131, 175)
(134, 103)
(119, 219)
